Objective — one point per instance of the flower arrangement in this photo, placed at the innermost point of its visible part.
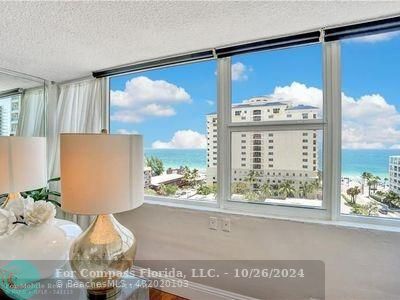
(25, 211)
(31, 209)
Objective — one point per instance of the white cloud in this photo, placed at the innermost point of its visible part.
(126, 131)
(369, 122)
(157, 110)
(239, 71)
(183, 139)
(375, 38)
(143, 97)
(126, 116)
(298, 93)
(210, 102)
(138, 115)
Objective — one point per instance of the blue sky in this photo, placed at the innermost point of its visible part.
(168, 106)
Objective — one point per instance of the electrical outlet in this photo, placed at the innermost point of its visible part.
(226, 225)
(213, 223)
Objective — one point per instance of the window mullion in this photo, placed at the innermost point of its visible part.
(224, 117)
(332, 97)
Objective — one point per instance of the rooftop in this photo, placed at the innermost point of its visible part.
(165, 178)
(301, 106)
(276, 103)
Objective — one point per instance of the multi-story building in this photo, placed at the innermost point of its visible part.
(274, 156)
(394, 174)
(9, 114)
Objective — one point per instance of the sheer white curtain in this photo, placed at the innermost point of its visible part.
(80, 108)
(32, 117)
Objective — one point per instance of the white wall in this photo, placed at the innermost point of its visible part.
(360, 263)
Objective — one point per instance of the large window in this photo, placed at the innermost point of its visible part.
(311, 130)
(370, 184)
(174, 108)
(282, 164)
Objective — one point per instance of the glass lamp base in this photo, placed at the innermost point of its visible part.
(108, 294)
(101, 255)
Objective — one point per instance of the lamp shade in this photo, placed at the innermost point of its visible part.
(101, 173)
(22, 164)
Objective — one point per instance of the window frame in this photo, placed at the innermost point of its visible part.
(227, 127)
(330, 125)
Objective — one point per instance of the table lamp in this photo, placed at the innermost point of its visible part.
(102, 174)
(22, 165)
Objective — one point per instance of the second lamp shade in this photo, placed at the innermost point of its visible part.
(22, 163)
(101, 173)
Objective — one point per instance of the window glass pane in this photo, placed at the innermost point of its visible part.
(280, 167)
(9, 114)
(371, 126)
(281, 85)
(173, 108)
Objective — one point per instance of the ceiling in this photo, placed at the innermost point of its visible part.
(60, 41)
(11, 82)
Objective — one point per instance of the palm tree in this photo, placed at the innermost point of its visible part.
(265, 190)
(308, 188)
(385, 180)
(190, 176)
(286, 189)
(372, 183)
(353, 192)
(366, 176)
(195, 176)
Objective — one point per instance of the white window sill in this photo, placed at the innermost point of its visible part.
(350, 222)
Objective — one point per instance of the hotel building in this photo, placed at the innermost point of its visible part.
(394, 174)
(9, 114)
(274, 156)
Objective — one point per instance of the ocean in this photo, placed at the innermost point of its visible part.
(354, 162)
(174, 158)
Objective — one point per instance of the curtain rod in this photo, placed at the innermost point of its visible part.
(22, 75)
(157, 63)
(329, 33)
(11, 92)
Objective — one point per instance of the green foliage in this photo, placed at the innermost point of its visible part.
(251, 179)
(207, 189)
(190, 177)
(252, 196)
(392, 199)
(286, 189)
(370, 209)
(167, 189)
(240, 188)
(156, 165)
(265, 190)
(44, 193)
(307, 188)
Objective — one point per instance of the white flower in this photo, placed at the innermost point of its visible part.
(39, 212)
(18, 206)
(7, 218)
